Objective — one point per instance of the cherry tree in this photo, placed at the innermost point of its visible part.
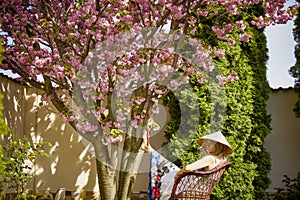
(104, 64)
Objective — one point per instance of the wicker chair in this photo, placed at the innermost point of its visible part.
(197, 184)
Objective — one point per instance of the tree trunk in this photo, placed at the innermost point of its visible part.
(117, 173)
(105, 172)
(108, 182)
(130, 161)
(105, 182)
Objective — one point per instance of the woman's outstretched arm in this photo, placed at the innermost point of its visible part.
(206, 161)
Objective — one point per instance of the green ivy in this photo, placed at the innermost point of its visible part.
(246, 121)
(256, 152)
(17, 153)
(236, 183)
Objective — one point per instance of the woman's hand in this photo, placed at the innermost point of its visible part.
(146, 148)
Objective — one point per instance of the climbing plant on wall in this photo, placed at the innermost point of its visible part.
(246, 121)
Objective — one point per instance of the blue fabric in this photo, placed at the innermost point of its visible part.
(159, 166)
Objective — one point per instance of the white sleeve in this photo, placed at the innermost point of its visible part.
(167, 182)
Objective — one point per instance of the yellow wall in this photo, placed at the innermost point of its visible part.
(70, 165)
(284, 141)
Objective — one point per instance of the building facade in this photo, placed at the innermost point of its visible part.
(71, 165)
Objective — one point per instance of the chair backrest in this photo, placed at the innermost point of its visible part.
(197, 184)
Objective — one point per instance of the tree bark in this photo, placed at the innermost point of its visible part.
(105, 182)
(131, 161)
(104, 172)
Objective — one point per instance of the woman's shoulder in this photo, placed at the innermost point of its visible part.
(214, 160)
(209, 157)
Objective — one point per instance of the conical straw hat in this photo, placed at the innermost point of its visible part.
(217, 137)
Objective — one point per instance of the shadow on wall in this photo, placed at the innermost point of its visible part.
(69, 164)
(13, 102)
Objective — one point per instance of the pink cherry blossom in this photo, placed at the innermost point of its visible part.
(240, 24)
(229, 28)
(68, 119)
(219, 52)
(81, 46)
(244, 37)
(47, 97)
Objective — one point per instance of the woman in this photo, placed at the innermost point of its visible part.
(162, 174)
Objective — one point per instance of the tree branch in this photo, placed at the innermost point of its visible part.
(15, 68)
